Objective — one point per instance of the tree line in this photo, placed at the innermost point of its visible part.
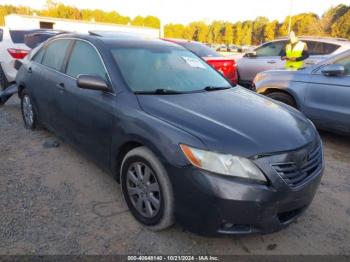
(334, 22)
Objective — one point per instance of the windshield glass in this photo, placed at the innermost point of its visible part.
(200, 49)
(148, 69)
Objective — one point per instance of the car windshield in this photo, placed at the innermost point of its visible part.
(165, 69)
(200, 49)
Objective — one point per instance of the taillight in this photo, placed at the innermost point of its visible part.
(17, 53)
(226, 67)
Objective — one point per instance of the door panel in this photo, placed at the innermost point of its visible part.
(87, 119)
(86, 115)
(45, 74)
(267, 58)
(327, 102)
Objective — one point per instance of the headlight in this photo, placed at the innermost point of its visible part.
(228, 165)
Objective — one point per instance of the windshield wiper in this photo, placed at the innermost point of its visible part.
(159, 91)
(214, 88)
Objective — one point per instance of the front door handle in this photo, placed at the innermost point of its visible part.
(272, 62)
(30, 70)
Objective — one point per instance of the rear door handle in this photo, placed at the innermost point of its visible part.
(272, 62)
(61, 87)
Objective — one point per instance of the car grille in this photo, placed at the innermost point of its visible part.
(296, 173)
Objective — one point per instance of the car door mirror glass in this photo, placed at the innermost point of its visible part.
(92, 82)
(333, 70)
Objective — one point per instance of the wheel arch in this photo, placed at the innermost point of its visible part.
(270, 90)
(20, 87)
(125, 147)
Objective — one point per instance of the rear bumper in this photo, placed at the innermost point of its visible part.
(209, 204)
(9, 70)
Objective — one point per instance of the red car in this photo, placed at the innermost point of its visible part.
(226, 66)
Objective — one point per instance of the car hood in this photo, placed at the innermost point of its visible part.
(282, 77)
(233, 121)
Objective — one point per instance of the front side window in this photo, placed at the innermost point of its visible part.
(85, 60)
(271, 49)
(55, 54)
(346, 63)
(147, 69)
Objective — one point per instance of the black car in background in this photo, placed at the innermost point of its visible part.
(156, 117)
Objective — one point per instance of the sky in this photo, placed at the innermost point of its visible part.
(185, 11)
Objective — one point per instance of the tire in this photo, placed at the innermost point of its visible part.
(27, 108)
(3, 80)
(283, 97)
(141, 196)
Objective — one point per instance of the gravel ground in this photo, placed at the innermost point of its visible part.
(54, 201)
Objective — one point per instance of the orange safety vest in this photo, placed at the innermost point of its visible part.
(295, 52)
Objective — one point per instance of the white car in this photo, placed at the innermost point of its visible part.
(267, 56)
(12, 47)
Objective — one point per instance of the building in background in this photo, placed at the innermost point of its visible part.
(14, 21)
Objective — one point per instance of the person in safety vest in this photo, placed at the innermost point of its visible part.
(294, 53)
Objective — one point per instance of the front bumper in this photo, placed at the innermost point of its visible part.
(210, 204)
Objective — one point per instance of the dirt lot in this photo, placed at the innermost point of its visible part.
(54, 201)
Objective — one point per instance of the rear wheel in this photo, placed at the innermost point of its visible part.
(28, 113)
(147, 189)
(283, 97)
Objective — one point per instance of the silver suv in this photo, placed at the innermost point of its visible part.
(267, 56)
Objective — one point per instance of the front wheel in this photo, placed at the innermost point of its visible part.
(283, 97)
(147, 189)
(28, 113)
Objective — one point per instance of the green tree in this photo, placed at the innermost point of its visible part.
(331, 16)
(341, 28)
(247, 30)
(174, 31)
(302, 24)
(258, 29)
(228, 34)
(237, 33)
(270, 31)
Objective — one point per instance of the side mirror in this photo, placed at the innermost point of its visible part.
(333, 70)
(250, 54)
(17, 65)
(92, 82)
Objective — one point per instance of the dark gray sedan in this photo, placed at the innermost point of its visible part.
(321, 92)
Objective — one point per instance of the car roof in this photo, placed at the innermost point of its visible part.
(181, 41)
(330, 40)
(112, 37)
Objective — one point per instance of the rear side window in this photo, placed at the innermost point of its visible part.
(200, 49)
(55, 53)
(85, 60)
(320, 48)
(17, 36)
(271, 49)
(38, 57)
(1, 34)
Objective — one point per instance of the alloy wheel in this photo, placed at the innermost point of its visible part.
(143, 189)
(28, 110)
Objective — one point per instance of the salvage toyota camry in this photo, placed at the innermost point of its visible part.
(184, 144)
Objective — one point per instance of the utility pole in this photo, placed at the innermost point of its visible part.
(290, 16)
(160, 16)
